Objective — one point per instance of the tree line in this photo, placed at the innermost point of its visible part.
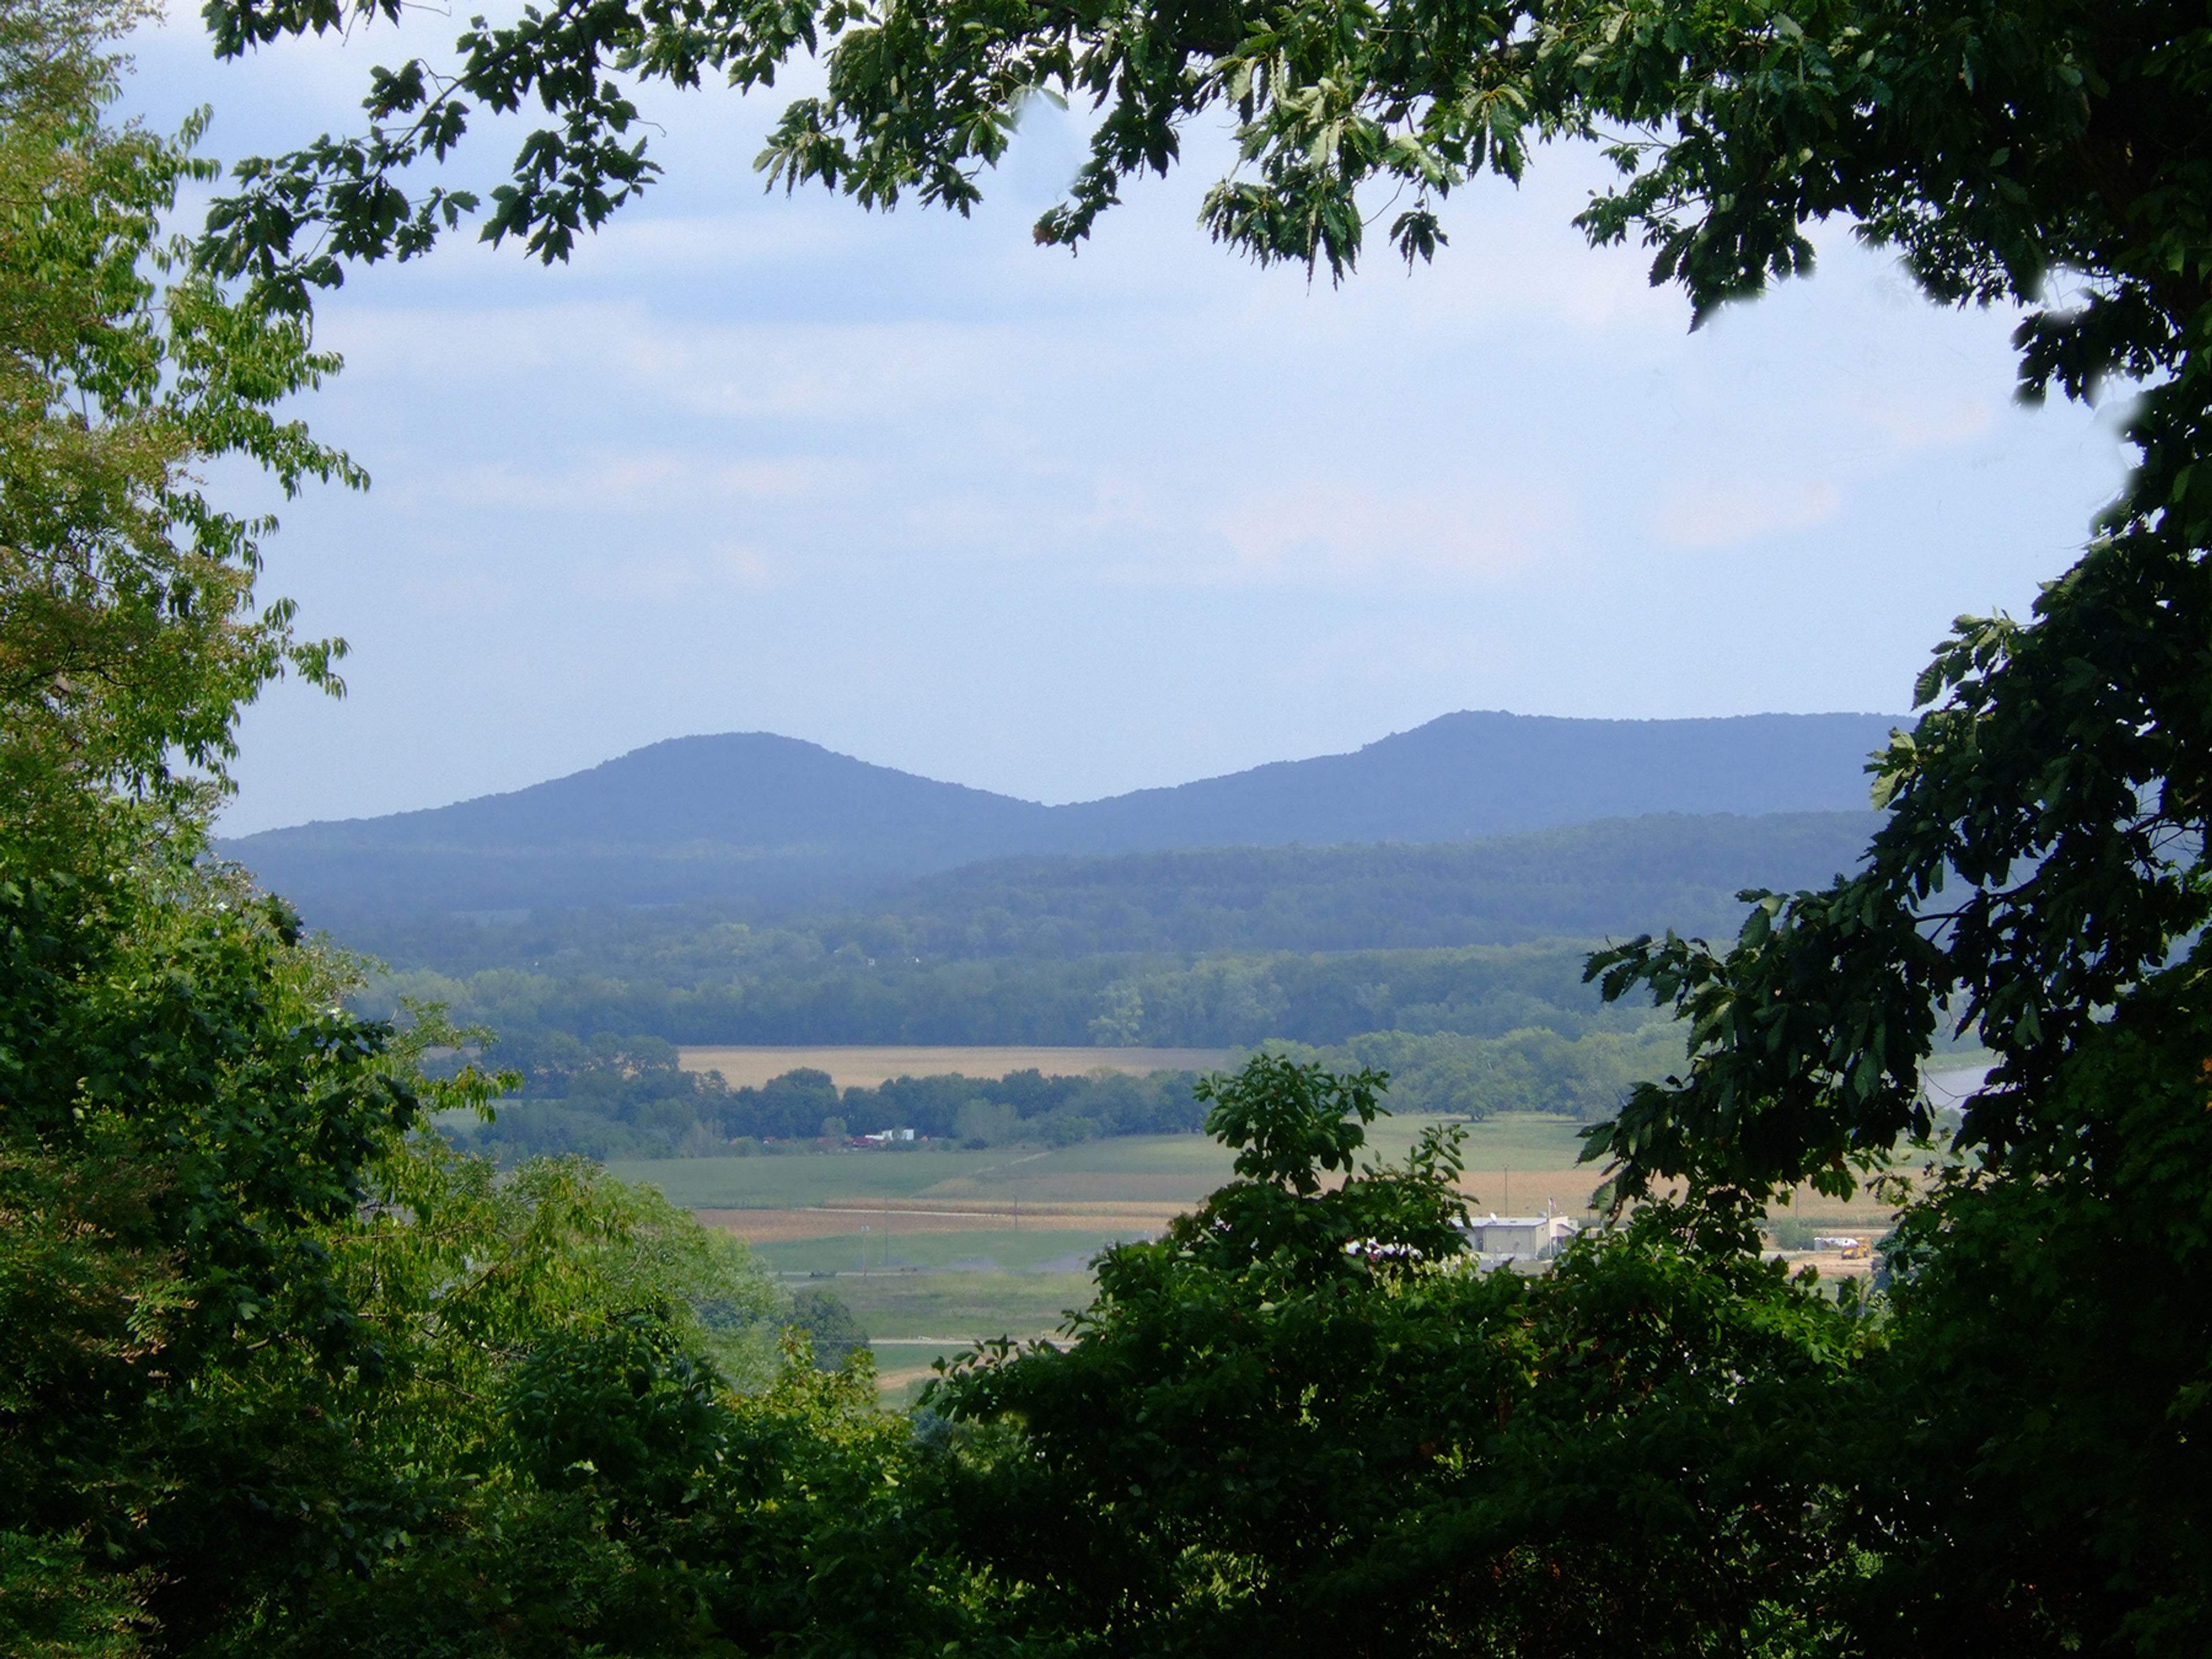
(630, 1100)
(625, 1098)
(1102, 1001)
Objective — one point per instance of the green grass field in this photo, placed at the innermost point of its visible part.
(955, 1311)
(959, 1307)
(1149, 1169)
(1527, 1140)
(1130, 1168)
(1014, 1262)
(803, 1180)
(1000, 1250)
(998, 1274)
(1177, 1170)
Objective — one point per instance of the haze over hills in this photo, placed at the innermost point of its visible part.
(785, 825)
(1612, 878)
(1473, 775)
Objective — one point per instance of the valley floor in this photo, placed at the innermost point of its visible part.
(934, 1251)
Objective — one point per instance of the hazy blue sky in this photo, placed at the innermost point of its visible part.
(915, 489)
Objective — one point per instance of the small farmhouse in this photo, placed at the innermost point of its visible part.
(1502, 1238)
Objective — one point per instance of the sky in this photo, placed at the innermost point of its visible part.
(912, 488)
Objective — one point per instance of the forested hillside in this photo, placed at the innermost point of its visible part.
(1468, 1031)
(1616, 877)
(1218, 947)
(1229, 946)
(1110, 1001)
(1619, 875)
(776, 825)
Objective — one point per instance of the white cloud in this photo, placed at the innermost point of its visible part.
(1325, 533)
(655, 481)
(1719, 514)
(1936, 422)
(647, 578)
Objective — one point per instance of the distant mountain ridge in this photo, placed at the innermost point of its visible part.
(1476, 774)
(785, 825)
(1610, 877)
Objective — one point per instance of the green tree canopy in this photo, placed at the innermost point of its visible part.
(279, 1370)
(129, 635)
(1994, 147)
(1300, 1424)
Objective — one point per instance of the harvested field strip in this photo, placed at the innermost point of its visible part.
(1830, 1263)
(801, 1182)
(778, 1226)
(1525, 1192)
(851, 1067)
(979, 1304)
(951, 1344)
(871, 1255)
(1017, 1214)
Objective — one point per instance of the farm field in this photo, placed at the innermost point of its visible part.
(933, 1250)
(1515, 1164)
(916, 1319)
(952, 1309)
(1051, 1247)
(865, 1067)
(803, 1180)
(1150, 1171)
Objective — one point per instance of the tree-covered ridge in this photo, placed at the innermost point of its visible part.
(776, 826)
(1580, 881)
(1109, 950)
(1615, 877)
(1105, 1002)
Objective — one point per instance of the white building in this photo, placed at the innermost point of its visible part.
(1502, 1238)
